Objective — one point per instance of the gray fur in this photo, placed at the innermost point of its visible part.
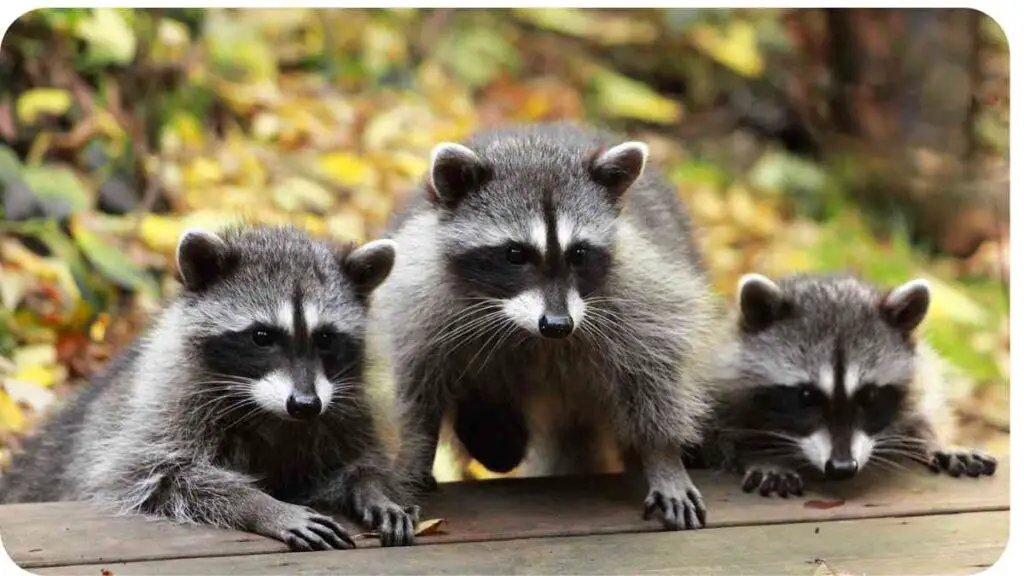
(795, 332)
(160, 434)
(635, 366)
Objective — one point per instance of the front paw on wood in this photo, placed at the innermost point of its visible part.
(957, 463)
(768, 479)
(678, 510)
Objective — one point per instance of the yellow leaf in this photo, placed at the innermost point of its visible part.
(410, 165)
(477, 471)
(202, 172)
(210, 220)
(707, 205)
(182, 131)
(109, 38)
(432, 526)
(346, 168)
(294, 194)
(160, 233)
(266, 126)
(98, 329)
(347, 226)
(11, 418)
(36, 374)
(13, 285)
(735, 47)
(39, 101)
(424, 528)
(742, 208)
(39, 354)
(948, 302)
(622, 97)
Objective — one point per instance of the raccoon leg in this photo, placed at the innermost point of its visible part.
(420, 433)
(363, 490)
(493, 431)
(769, 478)
(956, 462)
(672, 492)
(205, 494)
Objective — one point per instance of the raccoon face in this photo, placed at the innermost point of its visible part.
(276, 319)
(528, 228)
(829, 362)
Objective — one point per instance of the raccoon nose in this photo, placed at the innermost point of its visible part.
(841, 468)
(555, 326)
(303, 406)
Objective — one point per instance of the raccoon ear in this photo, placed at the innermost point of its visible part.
(904, 307)
(618, 167)
(368, 265)
(202, 258)
(455, 171)
(761, 301)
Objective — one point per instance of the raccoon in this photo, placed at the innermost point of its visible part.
(827, 378)
(547, 293)
(242, 406)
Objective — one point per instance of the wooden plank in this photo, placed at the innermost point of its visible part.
(948, 544)
(73, 533)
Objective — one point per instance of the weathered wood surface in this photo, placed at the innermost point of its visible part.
(948, 544)
(58, 534)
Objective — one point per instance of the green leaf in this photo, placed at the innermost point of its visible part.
(617, 96)
(109, 38)
(734, 45)
(238, 51)
(696, 172)
(477, 54)
(786, 172)
(10, 165)
(39, 101)
(57, 184)
(604, 27)
(112, 263)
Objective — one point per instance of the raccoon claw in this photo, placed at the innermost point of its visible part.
(304, 529)
(956, 463)
(678, 511)
(770, 479)
(395, 524)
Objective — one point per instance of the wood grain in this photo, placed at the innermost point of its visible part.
(950, 544)
(39, 535)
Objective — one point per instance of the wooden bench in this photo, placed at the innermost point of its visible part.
(913, 524)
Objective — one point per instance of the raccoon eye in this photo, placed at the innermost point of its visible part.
(808, 396)
(325, 341)
(869, 393)
(262, 337)
(578, 256)
(516, 255)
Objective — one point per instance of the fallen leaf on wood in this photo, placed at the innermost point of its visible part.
(424, 528)
(432, 526)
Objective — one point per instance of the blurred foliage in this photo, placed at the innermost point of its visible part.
(120, 128)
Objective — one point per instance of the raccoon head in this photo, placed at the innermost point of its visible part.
(527, 224)
(829, 362)
(275, 319)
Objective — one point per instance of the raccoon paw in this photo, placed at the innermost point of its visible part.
(956, 463)
(684, 509)
(305, 529)
(395, 524)
(768, 479)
